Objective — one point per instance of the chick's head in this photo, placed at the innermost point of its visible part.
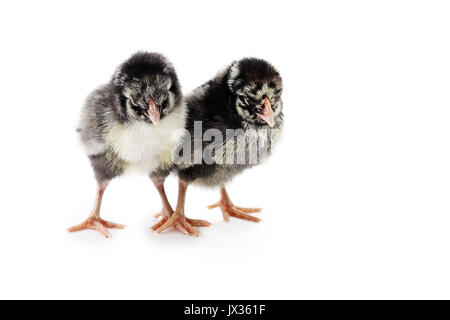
(256, 87)
(147, 86)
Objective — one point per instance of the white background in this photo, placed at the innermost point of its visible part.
(356, 197)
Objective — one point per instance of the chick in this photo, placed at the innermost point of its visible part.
(244, 99)
(131, 123)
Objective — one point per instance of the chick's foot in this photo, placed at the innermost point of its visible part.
(180, 223)
(97, 224)
(229, 209)
(177, 225)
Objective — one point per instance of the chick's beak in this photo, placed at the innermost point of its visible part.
(267, 113)
(153, 112)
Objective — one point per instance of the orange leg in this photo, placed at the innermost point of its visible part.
(94, 221)
(229, 209)
(176, 219)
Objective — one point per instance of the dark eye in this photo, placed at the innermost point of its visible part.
(134, 103)
(245, 100)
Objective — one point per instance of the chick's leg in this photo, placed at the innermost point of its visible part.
(229, 209)
(167, 210)
(177, 219)
(94, 221)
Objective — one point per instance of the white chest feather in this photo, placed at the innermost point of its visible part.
(147, 146)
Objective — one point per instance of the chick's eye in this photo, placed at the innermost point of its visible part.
(245, 100)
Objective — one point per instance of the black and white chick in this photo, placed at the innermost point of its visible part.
(246, 99)
(131, 123)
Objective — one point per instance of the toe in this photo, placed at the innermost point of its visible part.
(78, 227)
(179, 223)
(190, 229)
(180, 228)
(100, 228)
(248, 210)
(198, 223)
(159, 224)
(215, 205)
(168, 223)
(159, 215)
(112, 225)
(242, 215)
(225, 214)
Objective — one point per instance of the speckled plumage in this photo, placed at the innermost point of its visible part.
(231, 101)
(114, 130)
(133, 122)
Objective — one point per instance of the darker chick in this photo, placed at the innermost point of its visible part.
(242, 108)
(129, 123)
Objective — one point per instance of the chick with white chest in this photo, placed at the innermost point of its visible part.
(146, 147)
(132, 122)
